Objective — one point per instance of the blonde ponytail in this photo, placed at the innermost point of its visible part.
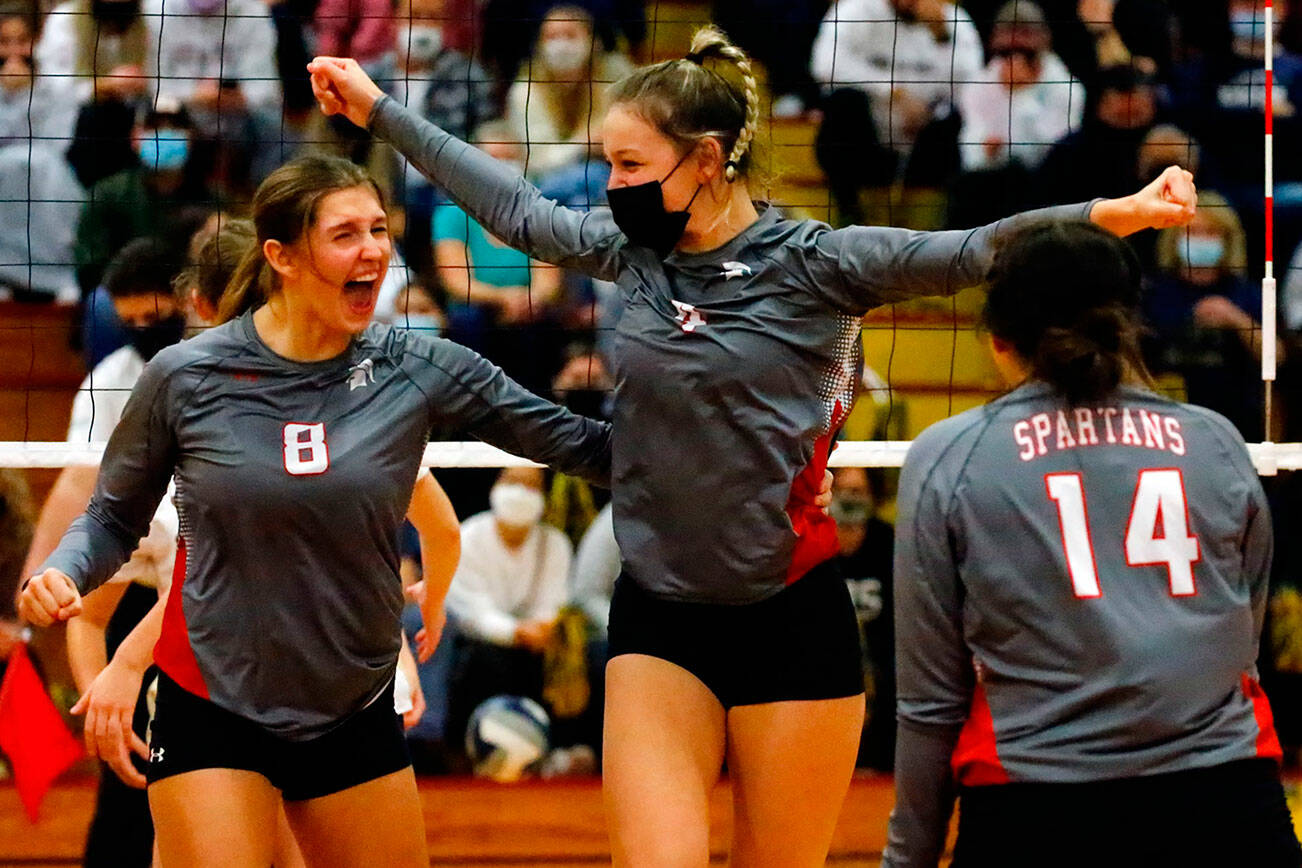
(710, 41)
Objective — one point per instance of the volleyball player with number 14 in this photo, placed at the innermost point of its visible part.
(1080, 580)
(737, 359)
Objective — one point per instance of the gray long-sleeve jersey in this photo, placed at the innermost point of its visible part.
(1079, 594)
(733, 368)
(292, 480)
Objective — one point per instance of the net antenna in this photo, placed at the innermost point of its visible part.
(1268, 291)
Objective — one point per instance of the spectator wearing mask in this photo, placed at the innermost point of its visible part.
(218, 59)
(1023, 102)
(497, 296)
(556, 106)
(447, 87)
(1101, 158)
(867, 546)
(508, 589)
(143, 200)
(39, 195)
(892, 71)
(1241, 93)
(1203, 309)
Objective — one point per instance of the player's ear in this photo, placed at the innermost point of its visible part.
(279, 257)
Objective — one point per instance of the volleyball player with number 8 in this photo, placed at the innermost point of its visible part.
(1080, 580)
(295, 433)
(737, 361)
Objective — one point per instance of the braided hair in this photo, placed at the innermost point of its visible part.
(687, 101)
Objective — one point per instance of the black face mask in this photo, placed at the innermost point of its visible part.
(115, 15)
(639, 212)
(148, 340)
(587, 402)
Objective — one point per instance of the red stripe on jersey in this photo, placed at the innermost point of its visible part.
(173, 653)
(976, 757)
(1267, 740)
(815, 530)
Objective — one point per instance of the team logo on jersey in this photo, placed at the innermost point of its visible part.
(360, 374)
(156, 755)
(735, 269)
(689, 319)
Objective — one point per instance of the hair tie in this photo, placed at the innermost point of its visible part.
(696, 57)
(730, 171)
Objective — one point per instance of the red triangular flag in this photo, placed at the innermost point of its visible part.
(32, 734)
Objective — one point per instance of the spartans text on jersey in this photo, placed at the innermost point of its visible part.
(1097, 426)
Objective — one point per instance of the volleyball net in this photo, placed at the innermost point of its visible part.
(872, 112)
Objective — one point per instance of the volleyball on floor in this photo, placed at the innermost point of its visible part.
(506, 737)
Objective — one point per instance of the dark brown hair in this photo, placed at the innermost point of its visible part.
(1065, 295)
(285, 208)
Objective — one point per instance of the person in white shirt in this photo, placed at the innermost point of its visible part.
(1024, 100)
(892, 71)
(1019, 106)
(509, 587)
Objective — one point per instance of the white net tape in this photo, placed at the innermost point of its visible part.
(1269, 458)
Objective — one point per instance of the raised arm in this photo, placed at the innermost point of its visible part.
(861, 267)
(501, 201)
(475, 395)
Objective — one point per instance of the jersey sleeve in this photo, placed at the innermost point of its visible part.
(934, 670)
(501, 201)
(476, 396)
(133, 477)
(860, 267)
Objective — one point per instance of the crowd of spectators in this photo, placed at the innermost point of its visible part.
(122, 119)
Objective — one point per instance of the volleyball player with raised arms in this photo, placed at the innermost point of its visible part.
(295, 433)
(1081, 574)
(737, 356)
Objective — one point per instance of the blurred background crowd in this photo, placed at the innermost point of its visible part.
(132, 131)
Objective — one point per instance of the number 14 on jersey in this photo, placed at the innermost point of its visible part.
(1159, 502)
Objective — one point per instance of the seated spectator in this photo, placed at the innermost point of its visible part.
(98, 47)
(1203, 310)
(505, 596)
(35, 109)
(1117, 33)
(1234, 134)
(1019, 106)
(556, 107)
(497, 297)
(1101, 158)
(448, 88)
(218, 59)
(892, 71)
(418, 309)
(145, 199)
(1024, 100)
(40, 201)
(867, 546)
(596, 567)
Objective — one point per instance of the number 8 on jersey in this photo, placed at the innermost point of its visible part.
(306, 453)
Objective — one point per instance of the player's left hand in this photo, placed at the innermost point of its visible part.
(109, 705)
(824, 498)
(412, 716)
(427, 638)
(1170, 200)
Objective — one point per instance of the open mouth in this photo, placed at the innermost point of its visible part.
(360, 295)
